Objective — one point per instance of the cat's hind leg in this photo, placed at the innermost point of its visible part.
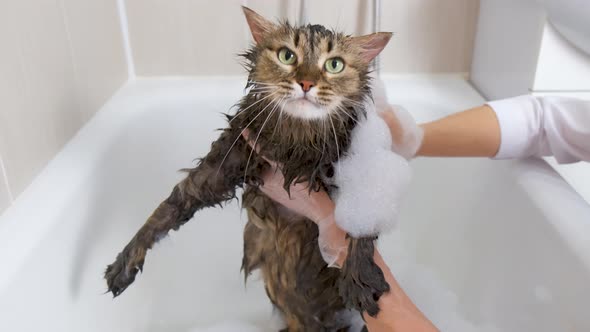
(362, 282)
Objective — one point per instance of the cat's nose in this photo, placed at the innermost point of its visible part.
(306, 85)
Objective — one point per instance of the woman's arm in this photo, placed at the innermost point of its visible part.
(512, 128)
(544, 126)
(471, 133)
(398, 313)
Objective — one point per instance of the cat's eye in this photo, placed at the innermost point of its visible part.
(334, 65)
(287, 56)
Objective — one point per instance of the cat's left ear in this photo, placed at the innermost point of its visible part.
(259, 26)
(371, 45)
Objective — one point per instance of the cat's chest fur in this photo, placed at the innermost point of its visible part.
(305, 150)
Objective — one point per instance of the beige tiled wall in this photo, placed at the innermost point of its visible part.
(196, 37)
(60, 61)
(179, 37)
(430, 35)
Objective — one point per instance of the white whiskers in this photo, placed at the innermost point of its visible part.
(240, 135)
(254, 103)
(335, 139)
(277, 104)
(343, 110)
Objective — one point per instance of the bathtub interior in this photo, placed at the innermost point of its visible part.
(472, 249)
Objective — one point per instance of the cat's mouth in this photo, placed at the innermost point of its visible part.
(306, 100)
(305, 107)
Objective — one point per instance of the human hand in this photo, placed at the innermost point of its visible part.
(406, 135)
(314, 205)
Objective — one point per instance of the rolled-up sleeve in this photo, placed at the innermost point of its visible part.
(543, 126)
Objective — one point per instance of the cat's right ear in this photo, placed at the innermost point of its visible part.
(371, 45)
(259, 26)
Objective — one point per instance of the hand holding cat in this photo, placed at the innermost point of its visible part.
(406, 135)
(315, 205)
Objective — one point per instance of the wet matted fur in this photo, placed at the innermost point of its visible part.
(310, 295)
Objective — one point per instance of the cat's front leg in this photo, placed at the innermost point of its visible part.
(362, 282)
(212, 182)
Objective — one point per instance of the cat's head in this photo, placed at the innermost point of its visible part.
(312, 72)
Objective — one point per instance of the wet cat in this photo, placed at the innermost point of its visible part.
(307, 87)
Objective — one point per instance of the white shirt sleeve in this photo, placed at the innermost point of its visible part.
(544, 126)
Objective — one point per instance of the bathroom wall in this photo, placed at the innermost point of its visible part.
(60, 60)
(192, 37)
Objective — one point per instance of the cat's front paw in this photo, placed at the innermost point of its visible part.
(362, 282)
(122, 272)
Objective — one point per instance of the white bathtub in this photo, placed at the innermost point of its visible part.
(500, 245)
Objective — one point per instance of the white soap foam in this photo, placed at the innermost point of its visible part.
(371, 180)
